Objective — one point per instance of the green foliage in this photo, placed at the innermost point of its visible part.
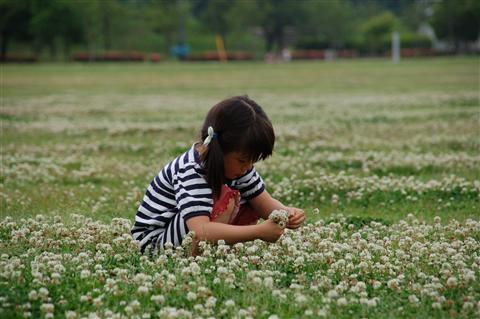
(14, 23)
(457, 20)
(413, 40)
(377, 32)
(56, 20)
(327, 24)
(156, 25)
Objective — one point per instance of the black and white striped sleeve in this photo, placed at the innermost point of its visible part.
(250, 185)
(192, 193)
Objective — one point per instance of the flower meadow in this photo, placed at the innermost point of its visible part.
(89, 269)
(384, 159)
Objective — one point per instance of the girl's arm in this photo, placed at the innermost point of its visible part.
(212, 232)
(264, 204)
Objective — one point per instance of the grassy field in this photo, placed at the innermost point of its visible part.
(356, 141)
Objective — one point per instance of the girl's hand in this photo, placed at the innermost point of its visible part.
(270, 231)
(296, 217)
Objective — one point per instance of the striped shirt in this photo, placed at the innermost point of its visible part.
(179, 192)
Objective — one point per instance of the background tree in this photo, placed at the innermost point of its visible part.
(377, 32)
(56, 23)
(327, 24)
(15, 17)
(457, 21)
(164, 18)
(215, 15)
(274, 17)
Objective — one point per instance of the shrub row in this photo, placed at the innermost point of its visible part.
(365, 45)
(214, 56)
(324, 54)
(117, 56)
(20, 58)
(111, 56)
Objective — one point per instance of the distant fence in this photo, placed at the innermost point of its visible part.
(135, 56)
(111, 56)
(247, 56)
(20, 58)
(215, 56)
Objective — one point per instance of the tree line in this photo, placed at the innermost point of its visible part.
(56, 27)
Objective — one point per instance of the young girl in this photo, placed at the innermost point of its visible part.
(213, 188)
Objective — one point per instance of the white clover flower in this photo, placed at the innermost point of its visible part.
(47, 308)
(191, 296)
(280, 217)
(211, 301)
(299, 261)
(372, 303)
(33, 295)
(128, 310)
(413, 299)
(195, 268)
(43, 292)
(322, 313)
(300, 298)
(393, 284)
(158, 299)
(222, 270)
(342, 302)
(332, 293)
(70, 314)
(268, 282)
(469, 276)
(143, 290)
(229, 303)
(335, 199)
(97, 302)
(451, 282)
(257, 281)
(85, 273)
(135, 304)
(468, 305)
(437, 305)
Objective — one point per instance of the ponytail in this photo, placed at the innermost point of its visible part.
(212, 160)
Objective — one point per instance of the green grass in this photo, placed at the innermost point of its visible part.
(366, 139)
(106, 117)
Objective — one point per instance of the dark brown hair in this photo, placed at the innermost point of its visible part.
(240, 125)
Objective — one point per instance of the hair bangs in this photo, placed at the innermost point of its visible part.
(258, 141)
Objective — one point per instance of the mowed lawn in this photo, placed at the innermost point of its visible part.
(383, 158)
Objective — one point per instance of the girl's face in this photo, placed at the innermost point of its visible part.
(236, 164)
